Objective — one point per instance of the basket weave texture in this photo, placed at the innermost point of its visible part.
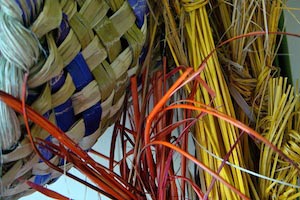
(79, 55)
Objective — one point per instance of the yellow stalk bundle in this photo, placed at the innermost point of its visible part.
(250, 70)
(214, 134)
(281, 127)
(242, 71)
(251, 58)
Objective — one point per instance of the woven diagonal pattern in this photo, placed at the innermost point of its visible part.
(79, 55)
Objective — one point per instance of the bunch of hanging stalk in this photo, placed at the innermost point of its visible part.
(209, 115)
(247, 86)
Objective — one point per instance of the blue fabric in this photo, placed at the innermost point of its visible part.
(92, 117)
(42, 179)
(57, 82)
(29, 6)
(38, 9)
(140, 9)
(45, 152)
(61, 162)
(47, 114)
(64, 115)
(29, 10)
(143, 54)
(79, 72)
(23, 13)
(63, 30)
(33, 94)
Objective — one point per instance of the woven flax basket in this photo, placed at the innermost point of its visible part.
(79, 55)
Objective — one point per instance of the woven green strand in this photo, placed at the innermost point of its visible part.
(19, 51)
(17, 44)
(10, 82)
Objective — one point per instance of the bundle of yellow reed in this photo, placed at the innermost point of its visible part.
(214, 134)
(247, 64)
(264, 103)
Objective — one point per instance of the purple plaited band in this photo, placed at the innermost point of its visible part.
(81, 77)
(140, 9)
(30, 11)
(63, 30)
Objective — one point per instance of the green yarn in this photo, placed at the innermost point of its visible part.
(17, 44)
(10, 82)
(11, 9)
(19, 51)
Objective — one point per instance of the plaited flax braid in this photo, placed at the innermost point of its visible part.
(19, 50)
(79, 55)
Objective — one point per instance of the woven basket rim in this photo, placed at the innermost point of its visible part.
(78, 76)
